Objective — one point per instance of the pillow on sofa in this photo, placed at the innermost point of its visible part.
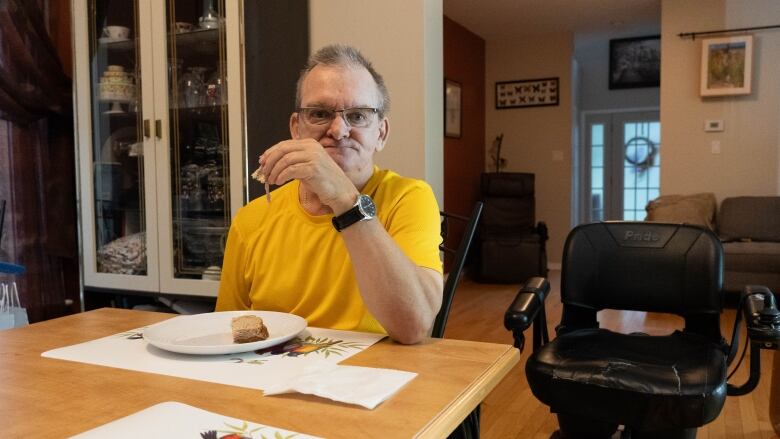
(690, 209)
(749, 218)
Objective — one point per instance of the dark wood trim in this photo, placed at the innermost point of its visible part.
(276, 34)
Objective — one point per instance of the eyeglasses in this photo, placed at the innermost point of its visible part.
(359, 117)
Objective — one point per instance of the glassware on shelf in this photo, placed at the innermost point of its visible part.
(210, 18)
(192, 88)
(116, 108)
(215, 189)
(174, 75)
(215, 90)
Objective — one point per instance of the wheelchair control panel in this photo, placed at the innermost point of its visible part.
(762, 317)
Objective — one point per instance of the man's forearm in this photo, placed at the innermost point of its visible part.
(403, 297)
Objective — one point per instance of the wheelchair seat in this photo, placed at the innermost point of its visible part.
(677, 380)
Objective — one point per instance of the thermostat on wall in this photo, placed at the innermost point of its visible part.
(712, 125)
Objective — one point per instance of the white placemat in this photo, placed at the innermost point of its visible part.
(176, 420)
(256, 370)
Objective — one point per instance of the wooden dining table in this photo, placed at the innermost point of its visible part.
(46, 397)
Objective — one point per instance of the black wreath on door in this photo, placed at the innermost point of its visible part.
(640, 151)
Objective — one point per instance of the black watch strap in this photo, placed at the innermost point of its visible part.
(362, 210)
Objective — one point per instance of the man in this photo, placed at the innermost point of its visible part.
(315, 249)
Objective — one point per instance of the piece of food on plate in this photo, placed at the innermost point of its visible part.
(247, 329)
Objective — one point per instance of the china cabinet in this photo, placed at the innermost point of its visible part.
(159, 132)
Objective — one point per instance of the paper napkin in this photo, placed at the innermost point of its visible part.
(364, 386)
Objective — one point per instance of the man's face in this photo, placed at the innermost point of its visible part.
(337, 88)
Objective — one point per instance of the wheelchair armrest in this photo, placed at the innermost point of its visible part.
(526, 309)
(762, 320)
(761, 316)
(529, 300)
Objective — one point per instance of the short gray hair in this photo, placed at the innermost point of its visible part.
(345, 56)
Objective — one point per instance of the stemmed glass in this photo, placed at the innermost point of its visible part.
(193, 87)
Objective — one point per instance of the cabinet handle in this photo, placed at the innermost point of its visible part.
(158, 128)
(146, 128)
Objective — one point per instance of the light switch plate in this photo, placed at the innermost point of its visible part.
(715, 146)
(713, 125)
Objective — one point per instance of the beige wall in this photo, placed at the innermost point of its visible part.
(749, 162)
(404, 41)
(537, 140)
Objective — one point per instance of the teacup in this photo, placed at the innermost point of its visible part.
(183, 26)
(117, 32)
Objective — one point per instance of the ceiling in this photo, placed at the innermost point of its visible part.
(510, 19)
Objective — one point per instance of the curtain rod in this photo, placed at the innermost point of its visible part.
(693, 35)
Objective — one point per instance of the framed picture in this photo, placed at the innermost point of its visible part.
(726, 65)
(451, 108)
(527, 93)
(635, 62)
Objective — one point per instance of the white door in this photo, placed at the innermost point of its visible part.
(199, 141)
(114, 98)
(621, 165)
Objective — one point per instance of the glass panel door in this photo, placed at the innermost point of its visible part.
(641, 164)
(622, 165)
(198, 135)
(117, 143)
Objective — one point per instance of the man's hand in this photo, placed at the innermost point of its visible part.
(306, 160)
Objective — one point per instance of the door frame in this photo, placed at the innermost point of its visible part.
(583, 176)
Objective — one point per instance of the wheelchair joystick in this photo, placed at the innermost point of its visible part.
(769, 315)
(763, 318)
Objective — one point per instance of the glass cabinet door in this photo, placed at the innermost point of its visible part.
(119, 198)
(198, 136)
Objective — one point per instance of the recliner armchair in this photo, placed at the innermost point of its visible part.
(511, 245)
(666, 386)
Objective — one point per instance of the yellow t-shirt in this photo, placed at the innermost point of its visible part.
(280, 258)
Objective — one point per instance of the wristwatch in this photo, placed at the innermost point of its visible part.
(363, 210)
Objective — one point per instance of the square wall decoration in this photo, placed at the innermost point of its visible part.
(726, 65)
(635, 62)
(527, 93)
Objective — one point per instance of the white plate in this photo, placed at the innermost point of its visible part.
(210, 333)
(112, 40)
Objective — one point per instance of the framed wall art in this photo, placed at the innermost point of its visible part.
(452, 101)
(527, 93)
(635, 62)
(726, 65)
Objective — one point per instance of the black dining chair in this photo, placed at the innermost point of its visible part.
(659, 386)
(469, 428)
(459, 256)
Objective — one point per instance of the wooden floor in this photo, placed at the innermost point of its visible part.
(511, 411)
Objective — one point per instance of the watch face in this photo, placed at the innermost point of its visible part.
(366, 205)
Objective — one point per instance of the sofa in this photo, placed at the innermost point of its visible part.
(749, 228)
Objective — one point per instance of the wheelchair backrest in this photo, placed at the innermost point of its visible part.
(641, 266)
